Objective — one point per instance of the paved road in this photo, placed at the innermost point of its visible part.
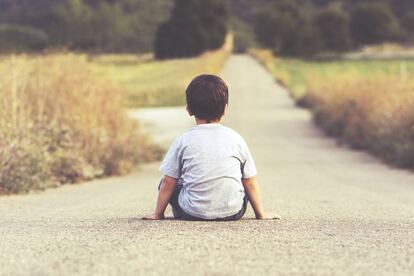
(343, 211)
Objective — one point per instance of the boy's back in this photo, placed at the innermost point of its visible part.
(209, 173)
(208, 161)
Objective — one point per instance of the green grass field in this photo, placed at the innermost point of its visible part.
(148, 82)
(298, 75)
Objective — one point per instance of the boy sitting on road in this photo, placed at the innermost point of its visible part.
(209, 173)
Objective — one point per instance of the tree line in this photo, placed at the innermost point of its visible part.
(291, 29)
(180, 28)
(81, 25)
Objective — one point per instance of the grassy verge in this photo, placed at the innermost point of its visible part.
(367, 104)
(148, 82)
(59, 124)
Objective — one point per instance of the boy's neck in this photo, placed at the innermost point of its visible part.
(203, 122)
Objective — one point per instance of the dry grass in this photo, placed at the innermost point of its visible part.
(60, 124)
(367, 104)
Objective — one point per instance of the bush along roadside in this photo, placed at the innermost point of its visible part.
(376, 115)
(368, 106)
(59, 124)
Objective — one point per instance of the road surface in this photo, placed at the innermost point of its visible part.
(343, 211)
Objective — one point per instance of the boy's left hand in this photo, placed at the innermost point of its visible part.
(153, 217)
(269, 217)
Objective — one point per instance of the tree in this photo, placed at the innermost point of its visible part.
(287, 30)
(308, 42)
(407, 23)
(178, 40)
(333, 26)
(195, 26)
(87, 25)
(73, 27)
(264, 27)
(109, 25)
(143, 19)
(15, 38)
(373, 23)
(243, 36)
(277, 27)
(213, 16)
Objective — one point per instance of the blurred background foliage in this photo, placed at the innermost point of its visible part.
(81, 25)
(193, 28)
(310, 28)
(303, 28)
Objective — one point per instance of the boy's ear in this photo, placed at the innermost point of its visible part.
(188, 111)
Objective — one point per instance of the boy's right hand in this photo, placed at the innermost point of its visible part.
(153, 217)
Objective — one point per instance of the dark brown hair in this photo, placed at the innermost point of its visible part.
(207, 97)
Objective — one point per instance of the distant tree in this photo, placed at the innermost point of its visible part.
(131, 25)
(277, 27)
(333, 26)
(73, 27)
(243, 36)
(308, 42)
(373, 23)
(31, 13)
(214, 17)
(144, 18)
(407, 22)
(86, 25)
(264, 27)
(195, 26)
(80, 26)
(109, 26)
(178, 39)
(15, 39)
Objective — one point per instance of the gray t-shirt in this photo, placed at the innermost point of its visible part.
(207, 161)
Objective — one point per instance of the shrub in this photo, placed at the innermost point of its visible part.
(366, 104)
(368, 113)
(23, 167)
(59, 124)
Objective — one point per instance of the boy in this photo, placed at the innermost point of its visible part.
(209, 173)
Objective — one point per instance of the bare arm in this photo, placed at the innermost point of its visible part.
(253, 192)
(164, 195)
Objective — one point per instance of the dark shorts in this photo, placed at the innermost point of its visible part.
(179, 213)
